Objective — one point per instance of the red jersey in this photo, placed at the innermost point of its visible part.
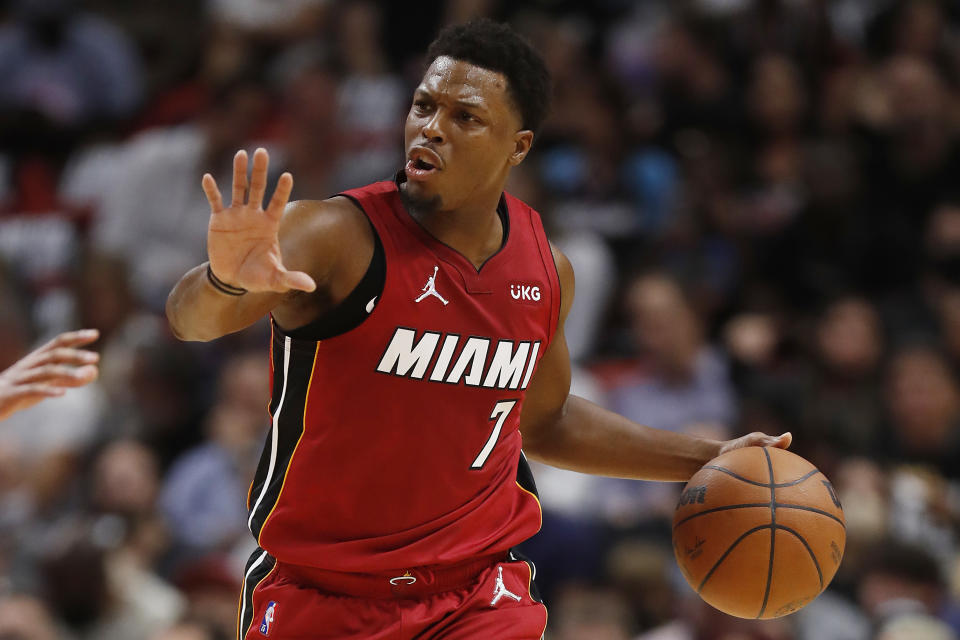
(396, 444)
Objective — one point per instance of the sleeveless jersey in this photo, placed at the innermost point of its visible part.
(396, 444)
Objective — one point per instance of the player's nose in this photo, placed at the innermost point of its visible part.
(432, 128)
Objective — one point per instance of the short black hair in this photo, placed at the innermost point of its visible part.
(497, 47)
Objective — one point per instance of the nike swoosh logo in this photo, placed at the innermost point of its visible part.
(371, 303)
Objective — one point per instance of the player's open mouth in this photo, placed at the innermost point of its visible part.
(419, 169)
(422, 164)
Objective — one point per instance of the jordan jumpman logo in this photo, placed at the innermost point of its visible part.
(500, 590)
(430, 289)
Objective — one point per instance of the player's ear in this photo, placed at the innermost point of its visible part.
(522, 141)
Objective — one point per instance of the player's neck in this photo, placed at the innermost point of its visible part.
(474, 230)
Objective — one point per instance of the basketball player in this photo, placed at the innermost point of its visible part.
(418, 334)
(47, 372)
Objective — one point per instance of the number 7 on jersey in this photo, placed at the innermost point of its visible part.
(500, 412)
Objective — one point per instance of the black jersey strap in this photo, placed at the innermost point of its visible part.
(352, 311)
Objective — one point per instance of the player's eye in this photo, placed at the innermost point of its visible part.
(466, 116)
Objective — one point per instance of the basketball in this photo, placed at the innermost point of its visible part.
(758, 532)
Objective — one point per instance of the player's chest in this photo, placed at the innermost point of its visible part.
(511, 299)
(434, 325)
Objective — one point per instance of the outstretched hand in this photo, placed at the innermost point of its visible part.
(758, 439)
(242, 239)
(49, 371)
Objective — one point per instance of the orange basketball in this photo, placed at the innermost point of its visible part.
(758, 532)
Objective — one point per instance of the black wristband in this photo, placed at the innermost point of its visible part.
(222, 286)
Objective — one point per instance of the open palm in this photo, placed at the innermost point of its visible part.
(242, 239)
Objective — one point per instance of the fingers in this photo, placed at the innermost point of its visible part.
(258, 181)
(39, 391)
(65, 355)
(83, 375)
(783, 441)
(239, 178)
(72, 339)
(212, 192)
(296, 280)
(280, 196)
(59, 375)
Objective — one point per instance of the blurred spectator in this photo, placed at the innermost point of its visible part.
(270, 20)
(898, 580)
(66, 67)
(681, 381)
(105, 595)
(204, 495)
(914, 627)
(210, 585)
(190, 631)
(125, 478)
(923, 403)
(311, 140)
(371, 100)
(24, 617)
(155, 214)
(599, 614)
(912, 158)
(840, 414)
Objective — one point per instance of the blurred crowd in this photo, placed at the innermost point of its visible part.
(760, 199)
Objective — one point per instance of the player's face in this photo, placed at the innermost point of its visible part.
(462, 135)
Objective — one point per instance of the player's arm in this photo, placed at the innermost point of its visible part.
(570, 432)
(261, 259)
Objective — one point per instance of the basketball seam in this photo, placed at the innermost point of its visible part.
(747, 505)
(773, 531)
(727, 552)
(809, 550)
(765, 485)
(757, 505)
(803, 507)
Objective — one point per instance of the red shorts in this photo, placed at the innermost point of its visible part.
(484, 598)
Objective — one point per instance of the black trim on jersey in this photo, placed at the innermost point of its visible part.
(525, 476)
(526, 481)
(250, 582)
(516, 556)
(289, 426)
(352, 310)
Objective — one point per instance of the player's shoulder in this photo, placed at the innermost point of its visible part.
(316, 236)
(325, 219)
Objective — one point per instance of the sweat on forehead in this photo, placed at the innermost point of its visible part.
(463, 79)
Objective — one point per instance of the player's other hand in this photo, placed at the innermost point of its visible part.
(49, 371)
(758, 439)
(242, 239)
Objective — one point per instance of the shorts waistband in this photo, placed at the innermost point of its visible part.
(414, 582)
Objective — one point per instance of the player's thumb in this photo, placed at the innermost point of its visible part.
(783, 441)
(297, 280)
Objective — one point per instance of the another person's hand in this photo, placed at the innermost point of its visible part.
(242, 239)
(758, 439)
(49, 371)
